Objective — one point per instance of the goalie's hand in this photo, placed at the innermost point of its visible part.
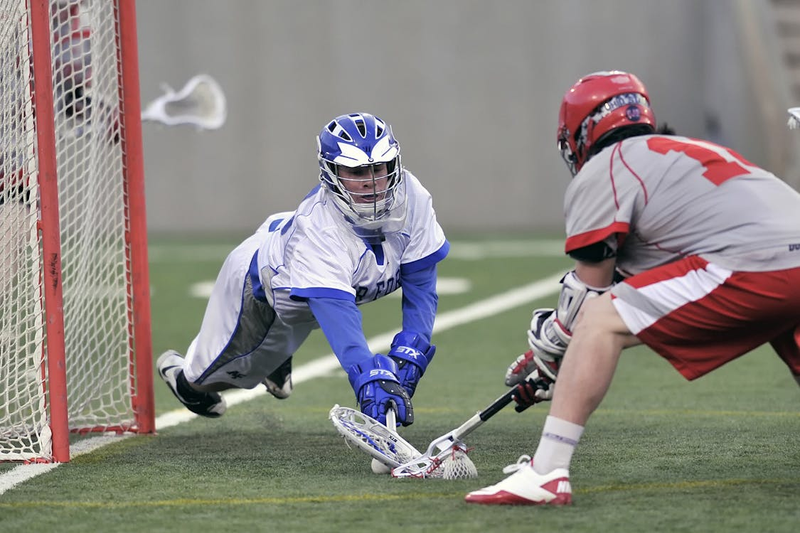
(412, 353)
(537, 387)
(378, 389)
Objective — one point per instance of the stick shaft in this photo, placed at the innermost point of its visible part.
(473, 423)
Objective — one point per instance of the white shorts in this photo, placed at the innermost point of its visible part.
(241, 340)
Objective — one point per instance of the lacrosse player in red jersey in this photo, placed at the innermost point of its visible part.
(366, 230)
(704, 247)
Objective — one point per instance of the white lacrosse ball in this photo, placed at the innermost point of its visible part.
(380, 468)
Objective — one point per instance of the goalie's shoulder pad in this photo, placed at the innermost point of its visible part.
(573, 293)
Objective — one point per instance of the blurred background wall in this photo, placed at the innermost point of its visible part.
(471, 87)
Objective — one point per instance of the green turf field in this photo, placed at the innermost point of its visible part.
(661, 454)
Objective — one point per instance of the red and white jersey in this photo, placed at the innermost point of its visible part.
(657, 198)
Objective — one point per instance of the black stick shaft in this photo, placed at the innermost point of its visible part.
(497, 405)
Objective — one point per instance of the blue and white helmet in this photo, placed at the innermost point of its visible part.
(359, 161)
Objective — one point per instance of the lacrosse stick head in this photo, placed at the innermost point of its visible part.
(200, 103)
(372, 437)
(450, 462)
(794, 118)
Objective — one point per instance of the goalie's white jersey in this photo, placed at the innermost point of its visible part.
(310, 252)
(258, 316)
(658, 198)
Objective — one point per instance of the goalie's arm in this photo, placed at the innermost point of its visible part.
(420, 300)
(411, 348)
(340, 321)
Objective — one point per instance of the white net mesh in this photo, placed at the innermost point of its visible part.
(91, 206)
(372, 437)
(97, 298)
(23, 422)
(454, 465)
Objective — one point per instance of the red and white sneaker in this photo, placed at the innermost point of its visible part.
(526, 487)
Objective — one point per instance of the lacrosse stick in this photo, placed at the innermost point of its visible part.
(794, 118)
(377, 466)
(372, 437)
(449, 448)
(200, 103)
(390, 449)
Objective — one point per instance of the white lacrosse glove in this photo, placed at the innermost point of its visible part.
(547, 337)
(546, 350)
(535, 371)
(551, 329)
(533, 386)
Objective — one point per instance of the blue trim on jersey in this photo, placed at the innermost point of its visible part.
(258, 287)
(377, 249)
(340, 321)
(287, 226)
(320, 292)
(360, 260)
(419, 300)
(275, 223)
(420, 264)
(210, 369)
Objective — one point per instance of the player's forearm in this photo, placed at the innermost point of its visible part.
(420, 301)
(340, 321)
(596, 275)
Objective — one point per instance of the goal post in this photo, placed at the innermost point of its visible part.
(75, 340)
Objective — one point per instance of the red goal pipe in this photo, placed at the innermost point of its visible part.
(133, 169)
(49, 226)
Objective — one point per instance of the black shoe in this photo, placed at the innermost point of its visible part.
(208, 404)
(279, 383)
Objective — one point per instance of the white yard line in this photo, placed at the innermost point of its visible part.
(317, 368)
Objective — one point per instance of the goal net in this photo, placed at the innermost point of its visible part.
(75, 352)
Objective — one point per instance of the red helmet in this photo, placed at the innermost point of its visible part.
(596, 105)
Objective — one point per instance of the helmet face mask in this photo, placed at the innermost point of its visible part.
(595, 106)
(360, 168)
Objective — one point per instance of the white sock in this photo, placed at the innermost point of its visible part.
(558, 441)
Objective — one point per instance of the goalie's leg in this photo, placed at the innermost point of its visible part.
(279, 382)
(208, 404)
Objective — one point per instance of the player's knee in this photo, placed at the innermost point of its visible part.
(593, 311)
(598, 316)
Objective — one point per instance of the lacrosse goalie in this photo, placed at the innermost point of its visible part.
(367, 229)
(708, 245)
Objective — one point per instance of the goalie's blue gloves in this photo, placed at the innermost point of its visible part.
(412, 353)
(378, 389)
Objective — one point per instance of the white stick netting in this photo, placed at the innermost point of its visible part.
(370, 436)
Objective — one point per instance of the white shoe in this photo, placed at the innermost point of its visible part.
(526, 487)
(208, 404)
